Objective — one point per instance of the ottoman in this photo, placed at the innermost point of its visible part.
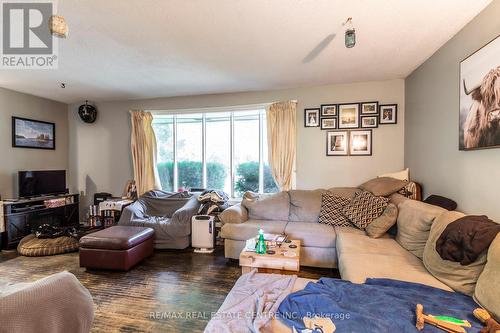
(117, 247)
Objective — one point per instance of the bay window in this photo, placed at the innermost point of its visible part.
(214, 150)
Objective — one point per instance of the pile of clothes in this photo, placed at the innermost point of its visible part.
(213, 202)
(51, 231)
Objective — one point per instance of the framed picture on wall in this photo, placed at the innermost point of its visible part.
(360, 143)
(311, 117)
(388, 114)
(479, 124)
(328, 110)
(369, 108)
(328, 123)
(36, 134)
(369, 121)
(348, 115)
(336, 143)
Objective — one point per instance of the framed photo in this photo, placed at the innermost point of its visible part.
(328, 123)
(369, 121)
(328, 110)
(29, 133)
(388, 114)
(311, 117)
(360, 143)
(479, 113)
(369, 108)
(348, 115)
(336, 143)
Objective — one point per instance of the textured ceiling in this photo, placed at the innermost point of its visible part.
(123, 49)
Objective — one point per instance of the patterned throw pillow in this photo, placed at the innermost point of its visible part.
(364, 208)
(331, 210)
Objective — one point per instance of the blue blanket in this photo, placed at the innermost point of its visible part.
(379, 305)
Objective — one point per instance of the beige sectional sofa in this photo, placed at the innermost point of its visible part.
(294, 213)
(410, 256)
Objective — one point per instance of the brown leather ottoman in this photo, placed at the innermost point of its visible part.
(117, 247)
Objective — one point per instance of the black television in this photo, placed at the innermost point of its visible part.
(40, 183)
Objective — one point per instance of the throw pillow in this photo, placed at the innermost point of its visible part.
(267, 206)
(345, 192)
(364, 208)
(331, 210)
(461, 278)
(415, 219)
(401, 175)
(383, 186)
(384, 222)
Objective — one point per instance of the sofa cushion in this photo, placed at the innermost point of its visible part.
(357, 267)
(311, 234)
(487, 292)
(364, 208)
(267, 206)
(414, 225)
(458, 277)
(384, 222)
(358, 242)
(250, 228)
(331, 210)
(345, 192)
(305, 205)
(383, 186)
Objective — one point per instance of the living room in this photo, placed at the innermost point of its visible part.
(285, 149)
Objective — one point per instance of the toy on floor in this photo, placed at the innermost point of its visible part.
(492, 326)
(441, 324)
(453, 320)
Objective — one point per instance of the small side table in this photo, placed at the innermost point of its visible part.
(285, 260)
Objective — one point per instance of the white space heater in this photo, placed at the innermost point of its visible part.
(203, 233)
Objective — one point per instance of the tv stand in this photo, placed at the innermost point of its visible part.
(23, 215)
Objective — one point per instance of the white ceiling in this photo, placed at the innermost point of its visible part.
(129, 49)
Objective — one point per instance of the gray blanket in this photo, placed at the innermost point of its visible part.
(169, 214)
(252, 303)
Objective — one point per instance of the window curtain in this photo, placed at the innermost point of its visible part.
(143, 146)
(281, 138)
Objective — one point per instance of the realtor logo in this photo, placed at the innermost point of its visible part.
(26, 39)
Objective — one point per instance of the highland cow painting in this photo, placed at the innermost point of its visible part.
(480, 98)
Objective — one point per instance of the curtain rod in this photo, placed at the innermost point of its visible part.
(230, 108)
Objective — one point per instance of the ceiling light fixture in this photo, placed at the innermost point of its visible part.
(58, 26)
(350, 34)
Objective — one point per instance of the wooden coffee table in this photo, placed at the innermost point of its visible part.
(286, 260)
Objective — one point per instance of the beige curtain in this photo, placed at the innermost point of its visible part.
(143, 145)
(281, 138)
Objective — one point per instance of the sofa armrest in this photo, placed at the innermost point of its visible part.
(234, 214)
(184, 214)
(57, 303)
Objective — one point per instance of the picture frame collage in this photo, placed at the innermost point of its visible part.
(353, 124)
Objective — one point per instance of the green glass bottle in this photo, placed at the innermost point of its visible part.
(261, 243)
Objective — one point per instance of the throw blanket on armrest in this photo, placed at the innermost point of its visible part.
(379, 305)
(465, 239)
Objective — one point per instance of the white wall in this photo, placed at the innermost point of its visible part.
(432, 107)
(100, 152)
(14, 159)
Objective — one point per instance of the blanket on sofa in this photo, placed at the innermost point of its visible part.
(379, 305)
(252, 303)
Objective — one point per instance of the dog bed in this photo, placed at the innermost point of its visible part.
(31, 246)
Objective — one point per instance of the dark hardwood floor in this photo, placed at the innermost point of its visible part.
(175, 283)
